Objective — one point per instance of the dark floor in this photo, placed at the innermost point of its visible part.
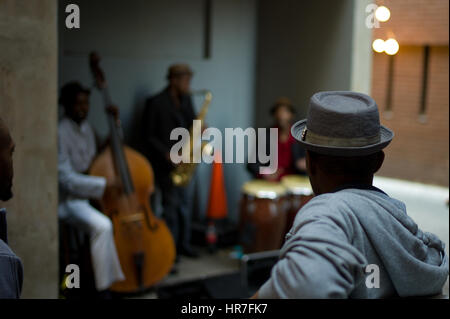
(207, 265)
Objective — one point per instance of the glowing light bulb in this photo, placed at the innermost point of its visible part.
(378, 45)
(391, 46)
(382, 14)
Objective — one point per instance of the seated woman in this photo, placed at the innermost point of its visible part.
(291, 156)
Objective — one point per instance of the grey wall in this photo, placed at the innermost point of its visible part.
(139, 39)
(303, 47)
(28, 92)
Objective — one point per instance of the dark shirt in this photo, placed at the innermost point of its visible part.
(161, 116)
(11, 270)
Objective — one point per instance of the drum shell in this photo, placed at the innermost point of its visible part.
(299, 192)
(262, 222)
(295, 203)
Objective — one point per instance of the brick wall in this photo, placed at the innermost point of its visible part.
(415, 22)
(420, 149)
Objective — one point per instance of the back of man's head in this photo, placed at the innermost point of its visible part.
(69, 92)
(328, 173)
(348, 165)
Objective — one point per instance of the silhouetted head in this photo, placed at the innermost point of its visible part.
(179, 77)
(283, 112)
(325, 171)
(75, 100)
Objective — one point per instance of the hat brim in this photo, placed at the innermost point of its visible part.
(386, 136)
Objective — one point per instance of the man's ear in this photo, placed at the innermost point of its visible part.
(379, 162)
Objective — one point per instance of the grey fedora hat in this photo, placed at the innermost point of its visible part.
(342, 123)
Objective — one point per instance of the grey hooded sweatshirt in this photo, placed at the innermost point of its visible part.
(357, 243)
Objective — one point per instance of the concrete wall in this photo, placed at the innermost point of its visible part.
(28, 61)
(303, 47)
(361, 64)
(139, 41)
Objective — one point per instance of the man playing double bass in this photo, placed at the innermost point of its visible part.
(77, 149)
(164, 112)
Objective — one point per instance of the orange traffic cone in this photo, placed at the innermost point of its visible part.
(217, 203)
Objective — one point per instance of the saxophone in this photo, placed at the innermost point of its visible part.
(182, 174)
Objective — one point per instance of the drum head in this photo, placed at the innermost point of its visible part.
(263, 189)
(297, 184)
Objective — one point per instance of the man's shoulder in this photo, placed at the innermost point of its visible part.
(63, 124)
(66, 124)
(334, 212)
(66, 127)
(349, 204)
(158, 100)
(7, 256)
(6, 251)
(347, 196)
(335, 206)
(330, 201)
(11, 273)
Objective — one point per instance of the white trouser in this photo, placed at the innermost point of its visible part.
(81, 214)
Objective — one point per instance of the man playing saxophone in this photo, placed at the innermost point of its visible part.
(167, 110)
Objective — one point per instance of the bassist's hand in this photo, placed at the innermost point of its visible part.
(113, 185)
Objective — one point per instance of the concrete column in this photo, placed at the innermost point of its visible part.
(28, 105)
(361, 63)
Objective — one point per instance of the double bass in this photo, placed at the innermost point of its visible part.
(145, 246)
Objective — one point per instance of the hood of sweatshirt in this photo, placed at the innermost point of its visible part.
(398, 241)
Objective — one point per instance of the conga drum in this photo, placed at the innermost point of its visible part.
(262, 215)
(299, 192)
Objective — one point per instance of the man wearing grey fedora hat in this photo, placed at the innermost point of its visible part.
(352, 240)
